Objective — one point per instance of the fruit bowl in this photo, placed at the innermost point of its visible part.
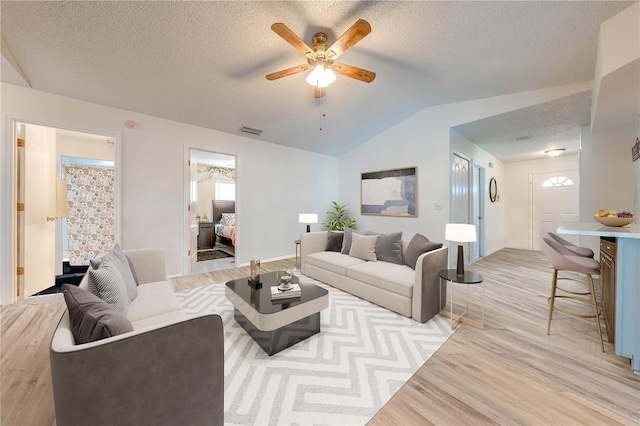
(614, 221)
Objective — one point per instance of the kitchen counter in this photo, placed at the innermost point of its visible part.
(627, 335)
(598, 230)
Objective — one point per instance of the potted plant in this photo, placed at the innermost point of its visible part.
(339, 218)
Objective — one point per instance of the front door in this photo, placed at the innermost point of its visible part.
(555, 200)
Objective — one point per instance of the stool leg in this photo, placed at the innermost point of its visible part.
(552, 299)
(594, 304)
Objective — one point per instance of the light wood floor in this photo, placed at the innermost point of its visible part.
(509, 373)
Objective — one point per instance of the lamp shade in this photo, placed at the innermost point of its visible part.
(460, 232)
(308, 218)
(62, 206)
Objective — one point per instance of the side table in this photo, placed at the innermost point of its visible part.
(297, 250)
(469, 278)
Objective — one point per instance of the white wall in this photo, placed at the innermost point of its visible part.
(72, 147)
(423, 141)
(154, 155)
(608, 178)
(516, 194)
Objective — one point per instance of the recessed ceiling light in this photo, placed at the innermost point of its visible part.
(554, 152)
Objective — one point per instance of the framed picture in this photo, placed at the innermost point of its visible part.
(389, 192)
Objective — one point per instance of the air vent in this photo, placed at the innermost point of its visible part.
(250, 130)
(522, 138)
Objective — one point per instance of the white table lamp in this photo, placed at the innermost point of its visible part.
(462, 233)
(308, 218)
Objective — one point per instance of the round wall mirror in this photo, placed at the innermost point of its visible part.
(493, 190)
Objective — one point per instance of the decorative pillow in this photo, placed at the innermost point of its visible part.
(334, 243)
(389, 247)
(91, 318)
(418, 245)
(109, 284)
(228, 219)
(346, 240)
(364, 247)
(122, 263)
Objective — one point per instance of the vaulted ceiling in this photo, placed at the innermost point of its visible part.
(204, 63)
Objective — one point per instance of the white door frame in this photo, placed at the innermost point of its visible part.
(8, 225)
(186, 229)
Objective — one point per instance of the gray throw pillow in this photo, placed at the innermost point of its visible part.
(346, 241)
(334, 243)
(109, 284)
(364, 247)
(91, 318)
(122, 263)
(418, 245)
(389, 247)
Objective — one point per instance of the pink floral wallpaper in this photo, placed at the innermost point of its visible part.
(91, 223)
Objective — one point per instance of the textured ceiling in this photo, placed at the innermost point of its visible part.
(204, 63)
(554, 124)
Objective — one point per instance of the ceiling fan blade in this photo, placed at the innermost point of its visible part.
(354, 72)
(353, 35)
(319, 92)
(290, 37)
(287, 72)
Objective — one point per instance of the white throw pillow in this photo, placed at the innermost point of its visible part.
(364, 247)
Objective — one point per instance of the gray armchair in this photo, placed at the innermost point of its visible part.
(170, 372)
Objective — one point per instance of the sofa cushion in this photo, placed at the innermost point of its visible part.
(398, 279)
(332, 261)
(157, 320)
(334, 243)
(109, 284)
(364, 247)
(92, 318)
(418, 245)
(389, 247)
(153, 299)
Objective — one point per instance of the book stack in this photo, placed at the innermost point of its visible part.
(293, 291)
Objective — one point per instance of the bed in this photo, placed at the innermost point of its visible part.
(224, 222)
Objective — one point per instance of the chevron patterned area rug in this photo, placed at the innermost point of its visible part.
(342, 375)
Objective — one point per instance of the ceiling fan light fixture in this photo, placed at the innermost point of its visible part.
(554, 152)
(321, 76)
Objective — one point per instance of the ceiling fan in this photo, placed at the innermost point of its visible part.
(321, 57)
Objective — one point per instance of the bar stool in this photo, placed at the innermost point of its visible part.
(564, 259)
(580, 251)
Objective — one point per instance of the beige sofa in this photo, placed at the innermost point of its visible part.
(409, 292)
(169, 370)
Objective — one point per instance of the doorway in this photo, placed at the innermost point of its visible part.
(48, 200)
(212, 218)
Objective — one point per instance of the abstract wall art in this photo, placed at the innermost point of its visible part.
(389, 192)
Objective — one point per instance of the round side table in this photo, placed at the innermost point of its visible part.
(469, 278)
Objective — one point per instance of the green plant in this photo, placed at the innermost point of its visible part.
(339, 218)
